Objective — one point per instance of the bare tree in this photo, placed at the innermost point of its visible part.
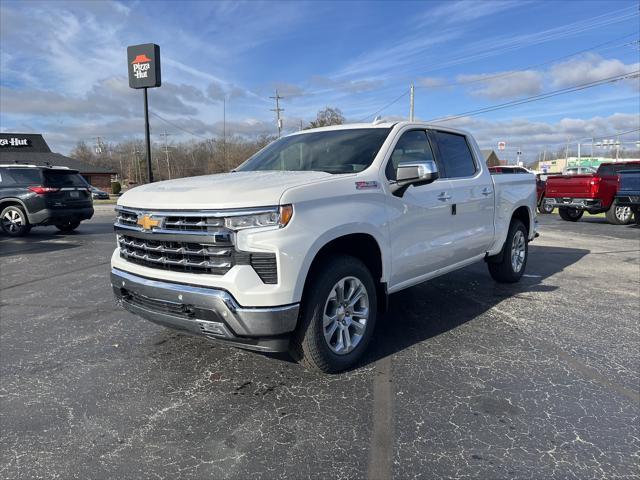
(327, 116)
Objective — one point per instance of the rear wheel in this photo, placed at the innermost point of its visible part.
(68, 226)
(14, 222)
(570, 214)
(545, 206)
(618, 215)
(513, 258)
(338, 316)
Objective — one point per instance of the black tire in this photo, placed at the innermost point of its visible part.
(502, 268)
(570, 214)
(69, 226)
(545, 208)
(308, 344)
(617, 215)
(14, 221)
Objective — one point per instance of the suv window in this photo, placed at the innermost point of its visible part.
(413, 146)
(25, 176)
(455, 155)
(57, 178)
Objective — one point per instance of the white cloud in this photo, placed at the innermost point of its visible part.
(503, 85)
(431, 82)
(589, 68)
(532, 137)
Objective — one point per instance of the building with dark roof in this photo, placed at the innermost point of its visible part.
(492, 159)
(31, 149)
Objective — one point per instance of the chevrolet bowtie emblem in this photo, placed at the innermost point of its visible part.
(147, 223)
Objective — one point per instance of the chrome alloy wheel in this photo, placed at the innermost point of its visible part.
(623, 214)
(518, 251)
(12, 221)
(345, 315)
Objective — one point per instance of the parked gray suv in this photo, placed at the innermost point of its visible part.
(32, 196)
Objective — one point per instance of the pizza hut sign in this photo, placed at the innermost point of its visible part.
(144, 65)
(14, 142)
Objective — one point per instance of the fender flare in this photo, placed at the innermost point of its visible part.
(334, 234)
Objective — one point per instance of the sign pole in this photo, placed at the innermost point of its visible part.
(147, 136)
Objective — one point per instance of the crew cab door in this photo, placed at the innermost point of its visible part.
(420, 228)
(472, 194)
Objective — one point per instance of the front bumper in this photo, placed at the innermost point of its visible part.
(204, 311)
(52, 216)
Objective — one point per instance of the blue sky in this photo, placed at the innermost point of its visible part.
(63, 66)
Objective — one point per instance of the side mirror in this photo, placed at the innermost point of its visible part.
(414, 173)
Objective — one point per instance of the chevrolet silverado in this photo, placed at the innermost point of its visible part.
(298, 248)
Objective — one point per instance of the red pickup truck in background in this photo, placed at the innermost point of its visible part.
(591, 193)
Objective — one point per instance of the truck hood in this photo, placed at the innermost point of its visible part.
(224, 190)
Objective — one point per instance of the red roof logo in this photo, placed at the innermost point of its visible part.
(141, 59)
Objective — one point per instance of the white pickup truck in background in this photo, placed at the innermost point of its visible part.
(298, 249)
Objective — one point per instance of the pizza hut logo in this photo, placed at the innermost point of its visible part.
(141, 65)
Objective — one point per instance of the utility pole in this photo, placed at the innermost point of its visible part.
(224, 132)
(166, 153)
(278, 110)
(411, 103)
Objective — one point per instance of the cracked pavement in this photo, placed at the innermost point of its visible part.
(465, 378)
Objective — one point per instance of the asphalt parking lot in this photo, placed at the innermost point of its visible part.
(465, 378)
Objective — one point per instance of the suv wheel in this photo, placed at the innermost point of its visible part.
(14, 221)
(338, 316)
(69, 226)
(617, 215)
(513, 258)
(570, 214)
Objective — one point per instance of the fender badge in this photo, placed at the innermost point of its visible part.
(369, 185)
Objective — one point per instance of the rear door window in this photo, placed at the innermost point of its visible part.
(455, 155)
(26, 176)
(63, 179)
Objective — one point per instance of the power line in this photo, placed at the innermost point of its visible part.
(541, 96)
(536, 65)
(384, 108)
(177, 126)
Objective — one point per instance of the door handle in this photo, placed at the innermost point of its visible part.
(443, 197)
(486, 191)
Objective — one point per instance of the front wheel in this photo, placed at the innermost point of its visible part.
(512, 261)
(68, 226)
(338, 316)
(14, 222)
(618, 215)
(570, 214)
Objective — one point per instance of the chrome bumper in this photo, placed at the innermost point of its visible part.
(205, 311)
(579, 203)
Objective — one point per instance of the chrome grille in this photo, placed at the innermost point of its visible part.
(127, 218)
(188, 241)
(179, 256)
(202, 224)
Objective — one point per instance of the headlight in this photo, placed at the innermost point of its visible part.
(279, 217)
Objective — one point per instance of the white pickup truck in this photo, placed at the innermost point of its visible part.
(298, 249)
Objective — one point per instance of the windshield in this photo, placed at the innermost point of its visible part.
(333, 151)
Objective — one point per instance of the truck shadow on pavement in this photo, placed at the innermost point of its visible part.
(435, 307)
